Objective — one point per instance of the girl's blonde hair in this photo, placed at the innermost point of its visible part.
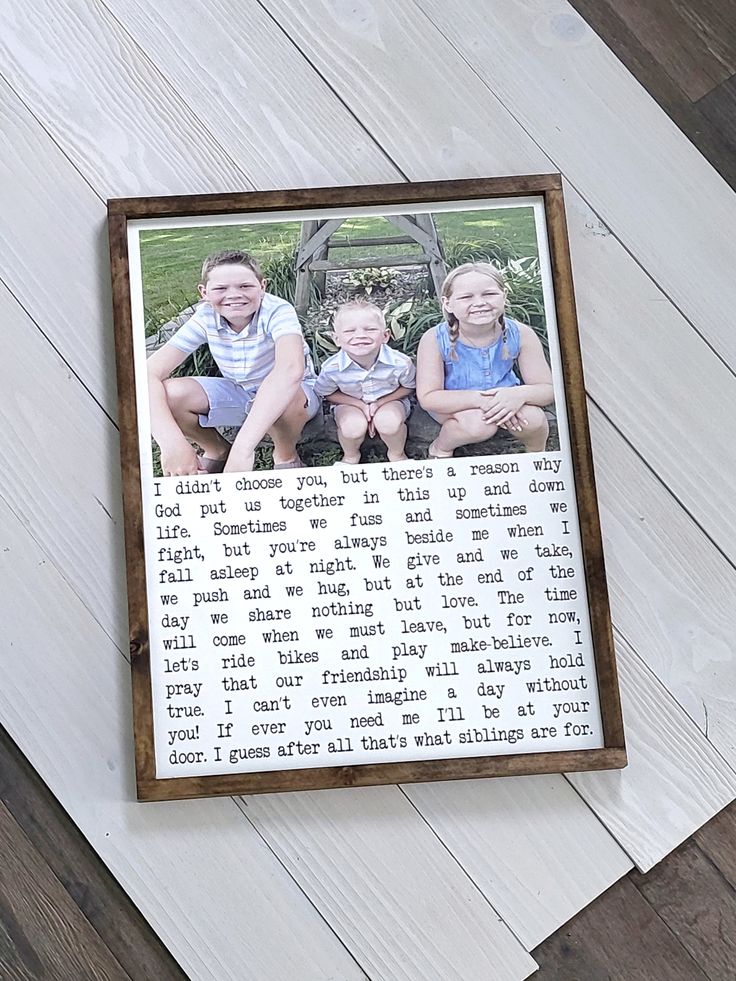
(486, 269)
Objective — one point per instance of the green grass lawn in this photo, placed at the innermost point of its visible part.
(172, 258)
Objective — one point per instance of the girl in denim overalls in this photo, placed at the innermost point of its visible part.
(465, 367)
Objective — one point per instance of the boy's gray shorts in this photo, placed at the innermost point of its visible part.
(230, 403)
(404, 403)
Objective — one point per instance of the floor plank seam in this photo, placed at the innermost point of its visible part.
(302, 54)
(731, 767)
(51, 871)
(672, 933)
(4, 283)
(462, 868)
(178, 99)
(731, 886)
(50, 135)
(583, 197)
(60, 572)
(660, 480)
(243, 808)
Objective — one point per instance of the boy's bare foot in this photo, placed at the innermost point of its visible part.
(294, 464)
(352, 460)
(397, 459)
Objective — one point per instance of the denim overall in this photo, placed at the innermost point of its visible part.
(479, 368)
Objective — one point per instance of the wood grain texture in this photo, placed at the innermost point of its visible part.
(692, 45)
(362, 848)
(42, 932)
(534, 881)
(675, 780)
(576, 118)
(63, 675)
(71, 265)
(275, 123)
(698, 905)
(716, 840)
(672, 591)
(591, 948)
(715, 142)
(120, 102)
(119, 925)
(718, 109)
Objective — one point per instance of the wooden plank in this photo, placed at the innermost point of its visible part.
(442, 143)
(128, 112)
(591, 109)
(349, 243)
(352, 837)
(319, 233)
(371, 262)
(192, 868)
(536, 885)
(699, 907)
(711, 140)
(696, 58)
(42, 932)
(619, 937)
(80, 872)
(69, 266)
(675, 780)
(287, 141)
(716, 840)
(671, 589)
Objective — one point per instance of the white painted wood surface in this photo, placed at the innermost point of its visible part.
(131, 97)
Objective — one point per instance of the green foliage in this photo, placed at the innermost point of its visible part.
(525, 300)
(499, 252)
(366, 280)
(407, 322)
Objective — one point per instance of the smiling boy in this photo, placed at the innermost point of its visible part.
(267, 383)
(367, 382)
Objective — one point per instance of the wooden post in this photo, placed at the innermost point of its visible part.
(301, 291)
(437, 263)
(323, 253)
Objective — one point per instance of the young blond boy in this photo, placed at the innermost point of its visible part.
(367, 382)
(267, 383)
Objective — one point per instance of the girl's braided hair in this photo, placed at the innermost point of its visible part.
(452, 322)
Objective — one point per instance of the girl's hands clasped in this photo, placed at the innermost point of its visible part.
(500, 407)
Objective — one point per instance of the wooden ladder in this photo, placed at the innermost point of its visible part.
(317, 239)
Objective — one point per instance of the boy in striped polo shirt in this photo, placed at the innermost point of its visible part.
(267, 383)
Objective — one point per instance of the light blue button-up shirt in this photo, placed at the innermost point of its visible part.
(389, 371)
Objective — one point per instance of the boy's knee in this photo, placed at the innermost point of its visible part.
(352, 426)
(176, 393)
(389, 420)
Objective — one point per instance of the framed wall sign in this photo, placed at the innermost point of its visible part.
(362, 536)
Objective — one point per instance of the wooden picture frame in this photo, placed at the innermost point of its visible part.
(128, 219)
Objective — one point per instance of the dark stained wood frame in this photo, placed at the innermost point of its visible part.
(549, 187)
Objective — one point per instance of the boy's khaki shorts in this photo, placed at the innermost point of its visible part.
(230, 403)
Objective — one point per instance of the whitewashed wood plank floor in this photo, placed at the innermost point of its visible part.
(101, 98)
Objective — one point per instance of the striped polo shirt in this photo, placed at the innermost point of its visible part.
(245, 356)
